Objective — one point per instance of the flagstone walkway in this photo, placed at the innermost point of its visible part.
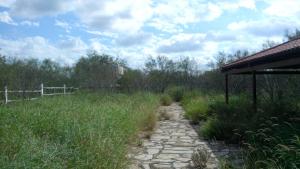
(172, 144)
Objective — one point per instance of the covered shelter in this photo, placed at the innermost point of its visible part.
(280, 59)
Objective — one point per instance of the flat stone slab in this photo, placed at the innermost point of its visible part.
(172, 144)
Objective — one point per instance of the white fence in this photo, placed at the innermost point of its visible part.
(43, 91)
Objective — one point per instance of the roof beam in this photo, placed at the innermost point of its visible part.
(273, 65)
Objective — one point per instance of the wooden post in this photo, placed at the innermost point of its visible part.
(42, 89)
(254, 90)
(226, 89)
(6, 94)
(64, 89)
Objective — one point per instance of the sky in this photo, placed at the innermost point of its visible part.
(65, 30)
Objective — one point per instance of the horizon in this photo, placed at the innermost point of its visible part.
(134, 30)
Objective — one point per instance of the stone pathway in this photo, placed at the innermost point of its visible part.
(172, 144)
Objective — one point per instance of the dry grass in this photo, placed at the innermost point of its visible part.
(200, 158)
(164, 115)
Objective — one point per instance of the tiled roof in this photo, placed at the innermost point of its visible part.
(293, 44)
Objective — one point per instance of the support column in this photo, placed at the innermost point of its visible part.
(42, 89)
(6, 94)
(226, 89)
(254, 90)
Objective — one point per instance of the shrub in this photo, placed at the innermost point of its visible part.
(210, 129)
(196, 109)
(176, 93)
(228, 119)
(165, 100)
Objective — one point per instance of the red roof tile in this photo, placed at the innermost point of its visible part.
(293, 44)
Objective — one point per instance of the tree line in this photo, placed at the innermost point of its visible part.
(96, 71)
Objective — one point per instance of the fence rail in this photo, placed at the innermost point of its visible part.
(41, 91)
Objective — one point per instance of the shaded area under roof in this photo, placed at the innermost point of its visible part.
(283, 56)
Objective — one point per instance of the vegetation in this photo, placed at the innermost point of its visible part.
(270, 136)
(196, 109)
(80, 131)
(176, 93)
(92, 130)
(165, 100)
(200, 158)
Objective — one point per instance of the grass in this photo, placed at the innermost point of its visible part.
(270, 137)
(176, 93)
(196, 109)
(166, 100)
(80, 131)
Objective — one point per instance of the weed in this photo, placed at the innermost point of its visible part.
(165, 100)
(200, 158)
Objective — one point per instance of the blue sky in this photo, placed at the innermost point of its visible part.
(136, 29)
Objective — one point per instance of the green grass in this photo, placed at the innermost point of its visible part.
(80, 131)
(165, 100)
(196, 109)
(270, 137)
(176, 93)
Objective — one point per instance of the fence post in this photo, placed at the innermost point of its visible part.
(64, 89)
(6, 94)
(42, 89)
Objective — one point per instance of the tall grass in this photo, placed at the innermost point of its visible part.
(81, 131)
(269, 136)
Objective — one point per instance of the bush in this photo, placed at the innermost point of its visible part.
(196, 109)
(228, 120)
(165, 100)
(176, 93)
(210, 129)
(270, 135)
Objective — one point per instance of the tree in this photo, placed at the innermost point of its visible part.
(292, 35)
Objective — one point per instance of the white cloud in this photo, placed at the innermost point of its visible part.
(116, 16)
(38, 8)
(286, 8)
(133, 39)
(30, 23)
(247, 4)
(170, 16)
(5, 18)
(65, 25)
(6, 3)
(213, 12)
(265, 27)
(181, 43)
(64, 52)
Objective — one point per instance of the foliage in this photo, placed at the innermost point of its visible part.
(196, 108)
(176, 93)
(165, 100)
(228, 119)
(30, 73)
(132, 81)
(275, 142)
(270, 136)
(80, 131)
(97, 71)
(292, 35)
(225, 164)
